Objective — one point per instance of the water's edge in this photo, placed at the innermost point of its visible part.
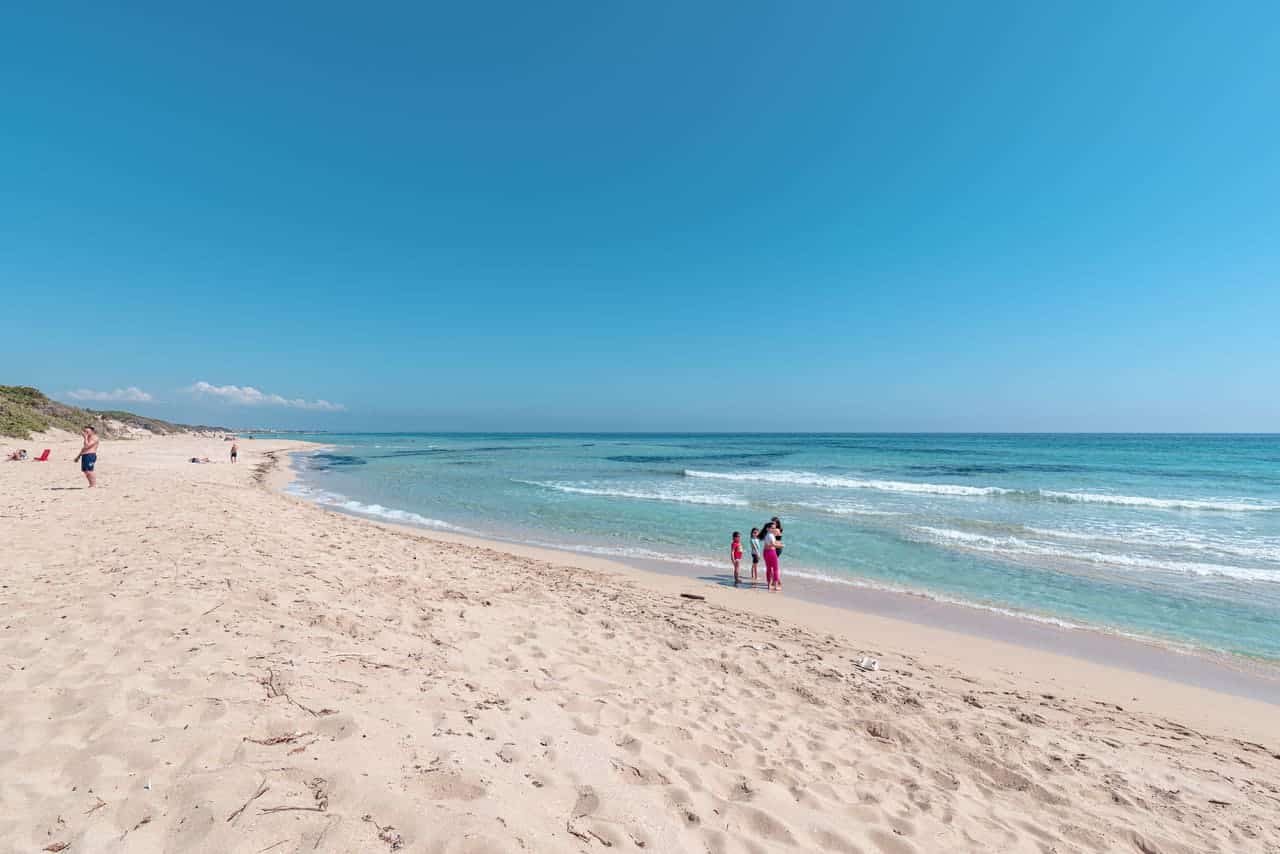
(1223, 672)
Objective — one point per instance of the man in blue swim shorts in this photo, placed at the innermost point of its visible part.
(88, 455)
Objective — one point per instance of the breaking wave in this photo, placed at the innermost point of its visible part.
(1017, 546)
(638, 494)
(1229, 505)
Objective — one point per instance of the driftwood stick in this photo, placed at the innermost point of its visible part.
(262, 790)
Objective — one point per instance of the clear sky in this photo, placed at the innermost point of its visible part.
(650, 215)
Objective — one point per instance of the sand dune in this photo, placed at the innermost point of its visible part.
(190, 661)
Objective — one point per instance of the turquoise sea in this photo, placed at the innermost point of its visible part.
(1173, 538)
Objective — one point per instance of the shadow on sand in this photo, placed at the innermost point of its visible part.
(726, 580)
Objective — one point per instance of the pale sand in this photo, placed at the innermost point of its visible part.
(185, 651)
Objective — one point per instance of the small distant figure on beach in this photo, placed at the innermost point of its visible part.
(771, 547)
(17, 456)
(235, 449)
(201, 460)
(755, 556)
(88, 456)
(735, 555)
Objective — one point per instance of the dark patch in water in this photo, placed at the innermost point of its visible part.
(419, 452)
(327, 461)
(855, 445)
(745, 457)
(1200, 474)
(994, 468)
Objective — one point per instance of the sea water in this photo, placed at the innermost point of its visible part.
(1173, 538)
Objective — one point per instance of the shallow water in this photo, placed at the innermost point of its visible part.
(1175, 538)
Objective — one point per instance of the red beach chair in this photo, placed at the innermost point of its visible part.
(43, 458)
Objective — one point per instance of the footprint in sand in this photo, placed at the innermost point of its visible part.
(829, 840)
(639, 774)
(891, 844)
(453, 786)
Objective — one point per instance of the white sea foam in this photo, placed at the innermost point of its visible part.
(1228, 505)
(1263, 549)
(1232, 505)
(638, 494)
(801, 478)
(342, 502)
(845, 508)
(1017, 546)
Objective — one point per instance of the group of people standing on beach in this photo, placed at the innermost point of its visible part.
(766, 542)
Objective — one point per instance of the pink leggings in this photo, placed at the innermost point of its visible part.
(771, 567)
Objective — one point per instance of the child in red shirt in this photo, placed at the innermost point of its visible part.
(735, 554)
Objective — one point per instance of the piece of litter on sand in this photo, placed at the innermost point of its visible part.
(692, 596)
(868, 664)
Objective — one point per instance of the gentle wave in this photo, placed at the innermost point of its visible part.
(641, 495)
(845, 509)
(837, 482)
(342, 502)
(1220, 504)
(1263, 549)
(1017, 546)
(914, 488)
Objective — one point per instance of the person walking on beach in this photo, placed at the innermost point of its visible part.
(235, 449)
(88, 456)
(770, 544)
(755, 555)
(735, 555)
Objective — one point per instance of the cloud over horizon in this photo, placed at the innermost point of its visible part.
(132, 393)
(250, 396)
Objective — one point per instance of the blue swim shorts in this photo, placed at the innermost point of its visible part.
(87, 461)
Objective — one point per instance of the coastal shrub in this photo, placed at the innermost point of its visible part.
(25, 410)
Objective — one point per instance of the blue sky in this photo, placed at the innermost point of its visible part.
(647, 216)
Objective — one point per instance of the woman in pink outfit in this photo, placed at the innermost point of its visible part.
(770, 544)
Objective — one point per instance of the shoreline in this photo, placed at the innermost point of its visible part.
(1096, 661)
(1196, 667)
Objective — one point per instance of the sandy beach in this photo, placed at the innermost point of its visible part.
(191, 660)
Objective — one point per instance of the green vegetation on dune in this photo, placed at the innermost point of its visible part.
(154, 425)
(25, 410)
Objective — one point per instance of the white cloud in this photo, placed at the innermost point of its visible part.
(247, 395)
(132, 393)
